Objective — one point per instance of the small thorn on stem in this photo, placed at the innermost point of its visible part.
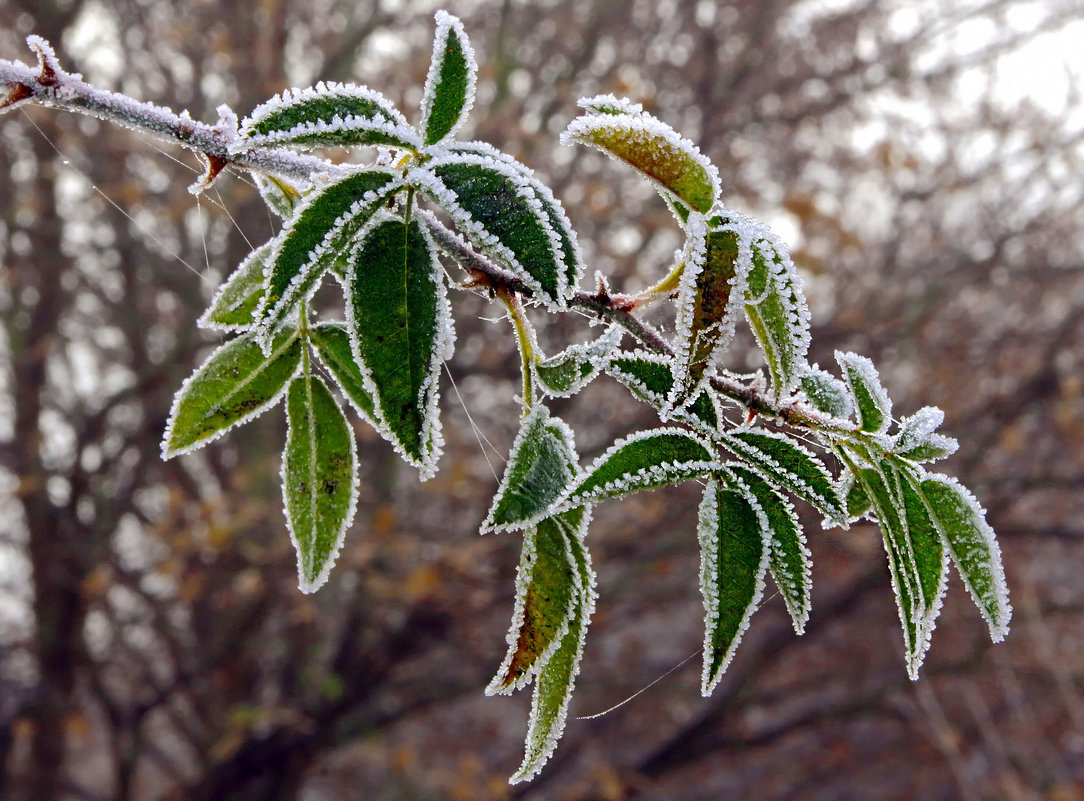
(49, 70)
(17, 93)
(215, 166)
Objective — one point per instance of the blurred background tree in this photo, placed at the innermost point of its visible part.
(923, 159)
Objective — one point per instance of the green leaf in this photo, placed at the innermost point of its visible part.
(236, 383)
(233, 307)
(327, 115)
(548, 593)
(449, 86)
(542, 464)
(281, 196)
(707, 310)
(777, 311)
(645, 460)
(917, 441)
(650, 378)
(961, 523)
(855, 498)
(826, 393)
(501, 214)
(570, 370)
(332, 343)
(786, 464)
(734, 556)
(930, 553)
(789, 558)
(557, 678)
(400, 328)
(321, 232)
(871, 402)
(653, 148)
(319, 475)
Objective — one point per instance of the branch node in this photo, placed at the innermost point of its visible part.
(214, 167)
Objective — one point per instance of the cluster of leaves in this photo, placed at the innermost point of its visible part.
(378, 232)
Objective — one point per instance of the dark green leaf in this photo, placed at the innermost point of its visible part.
(328, 115)
(548, 594)
(400, 328)
(930, 553)
(570, 370)
(650, 378)
(789, 558)
(777, 312)
(826, 393)
(332, 343)
(856, 499)
(234, 305)
(542, 464)
(871, 402)
(961, 523)
(917, 441)
(786, 464)
(645, 460)
(321, 232)
(449, 86)
(319, 473)
(501, 214)
(734, 557)
(235, 384)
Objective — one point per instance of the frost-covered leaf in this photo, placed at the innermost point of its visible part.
(930, 553)
(319, 475)
(854, 495)
(872, 404)
(961, 523)
(548, 591)
(570, 370)
(571, 255)
(734, 555)
(653, 148)
(236, 383)
(708, 303)
(320, 233)
(281, 196)
(650, 378)
(645, 460)
(332, 343)
(499, 211)
(826, 393)
(557, 679)
(610, 104)
(400, 326)
(788, 465)
(328, 115)
(449, 86)
(777, 311)
(233, 307)
(917, 439)
(789, 558)
(542, 464)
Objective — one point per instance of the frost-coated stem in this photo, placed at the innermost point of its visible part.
(49, 85)
(525, 341)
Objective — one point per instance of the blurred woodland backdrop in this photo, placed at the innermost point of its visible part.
(153, 643)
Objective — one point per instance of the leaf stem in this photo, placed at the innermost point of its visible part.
(525, 340)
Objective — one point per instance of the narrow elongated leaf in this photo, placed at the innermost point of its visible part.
(570, 370)
(319, 478)
(541, 466)
(708, 304)
(653, 148)
(236, 383)
(557, 678)
(826, 393)
(961, 523)
(281, 196)
(328, 115)
(643, 461)
(332, 343)
(855, 498)
(571, 255)
(321, 232)
(872, 404)
(888, 505)
(501, 214)
(789, 560)
(610, 104)
(400, 328)
(650, 378)
(449, 86)
(233, 307)
(786, 464)
(777, 311)
(549, 591)
(930, 553)
(734, 555)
